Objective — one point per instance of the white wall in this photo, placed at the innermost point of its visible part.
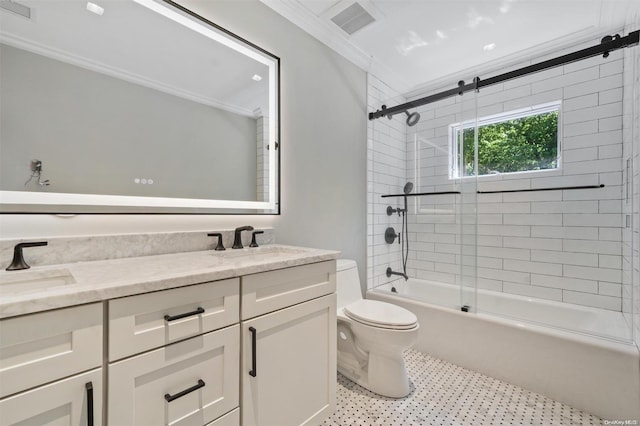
(323, 131)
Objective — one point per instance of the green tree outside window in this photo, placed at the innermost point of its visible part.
(522, 144)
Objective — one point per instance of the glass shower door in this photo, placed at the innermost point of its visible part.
(442, 212)
(464, 148)
(552, 201)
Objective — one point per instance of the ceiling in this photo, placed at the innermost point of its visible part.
(415, 44)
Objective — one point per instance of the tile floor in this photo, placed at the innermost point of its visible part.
(445, 394)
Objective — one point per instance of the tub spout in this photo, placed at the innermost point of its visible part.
(392, 272)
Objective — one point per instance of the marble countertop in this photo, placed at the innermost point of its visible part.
(57, 286)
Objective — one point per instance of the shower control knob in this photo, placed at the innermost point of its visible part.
(390, 236)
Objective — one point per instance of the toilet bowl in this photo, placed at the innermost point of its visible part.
(372, 336)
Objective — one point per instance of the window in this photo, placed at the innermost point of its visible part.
(515, 141)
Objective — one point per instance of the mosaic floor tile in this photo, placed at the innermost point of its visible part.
(445, 394)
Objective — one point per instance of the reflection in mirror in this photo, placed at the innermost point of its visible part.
(151, 109)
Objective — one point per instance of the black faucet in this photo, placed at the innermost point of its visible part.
(254, 243)
(392, 272)
(237, 239)
(18, 262)
(220, 246)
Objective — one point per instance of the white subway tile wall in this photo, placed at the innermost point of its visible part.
(629, 260)
(570, 246)
(539, 244)
(386, 174)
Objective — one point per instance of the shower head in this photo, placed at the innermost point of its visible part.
(413, 118)
(408, 187)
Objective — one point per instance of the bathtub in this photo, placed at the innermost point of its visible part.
(527, 342)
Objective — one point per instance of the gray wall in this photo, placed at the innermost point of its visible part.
(323, 124)
(95, 134)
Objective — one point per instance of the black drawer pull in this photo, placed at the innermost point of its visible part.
(186, 314)
(89, 387)
(254, 369)
(170, 398)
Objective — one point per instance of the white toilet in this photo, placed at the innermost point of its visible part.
(372, 336)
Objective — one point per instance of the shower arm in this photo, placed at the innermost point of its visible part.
(608, 44)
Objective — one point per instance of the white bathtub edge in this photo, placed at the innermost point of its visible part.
(604, 343)
(596, 376)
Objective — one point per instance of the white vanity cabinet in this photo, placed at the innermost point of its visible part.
(151, 320)
(50, 367)
(190, 377)
(188, 383)
(74, 401)
(258, 349)
(289, 355)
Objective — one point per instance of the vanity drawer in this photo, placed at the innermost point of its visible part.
(147, 321)
(229, 419)
(269, 291)
(42, 347)
(205, 369)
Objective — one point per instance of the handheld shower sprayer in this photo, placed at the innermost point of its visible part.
(408, 187)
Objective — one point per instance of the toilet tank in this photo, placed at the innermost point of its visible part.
(347, 282)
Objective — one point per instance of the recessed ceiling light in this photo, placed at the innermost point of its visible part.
(256, 77)
(489, 47)
(92, 7)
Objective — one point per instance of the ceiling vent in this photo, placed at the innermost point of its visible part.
(353, 18)
(17, 8)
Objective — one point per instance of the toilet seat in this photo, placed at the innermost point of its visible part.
(381, 315)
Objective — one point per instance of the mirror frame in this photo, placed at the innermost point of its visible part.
(25, 202)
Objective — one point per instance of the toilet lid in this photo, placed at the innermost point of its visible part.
(381, 314)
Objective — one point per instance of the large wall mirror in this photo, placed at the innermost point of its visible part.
(133, 106)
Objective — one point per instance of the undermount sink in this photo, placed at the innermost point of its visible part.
(264, 252)
(30, 280)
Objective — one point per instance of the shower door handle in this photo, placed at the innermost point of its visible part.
(254, 370)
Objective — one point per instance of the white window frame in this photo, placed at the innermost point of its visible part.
(454, 129)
